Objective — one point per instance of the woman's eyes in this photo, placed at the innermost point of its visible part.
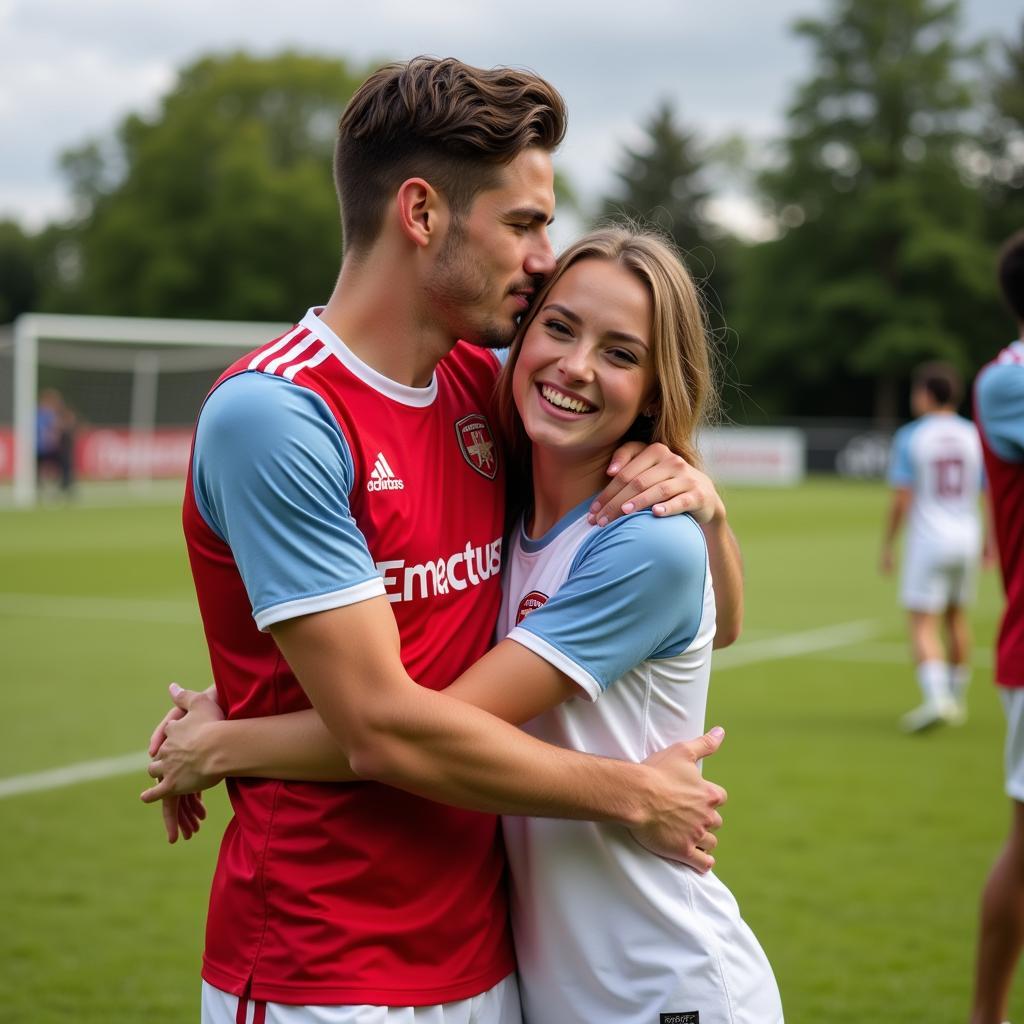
(558, 327)
(623, 354)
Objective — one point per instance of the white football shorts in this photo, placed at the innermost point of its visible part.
(498, 1005)
(1013, 704)
(936, 578)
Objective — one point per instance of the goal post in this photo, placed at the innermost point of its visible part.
(132, 356)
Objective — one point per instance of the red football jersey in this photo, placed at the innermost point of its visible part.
(360, 893)
(1006, 488)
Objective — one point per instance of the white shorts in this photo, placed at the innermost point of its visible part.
(1013, 704)
(498, 1005)
(935, 579)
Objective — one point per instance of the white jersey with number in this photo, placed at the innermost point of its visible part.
(939, 458)
(605, 930)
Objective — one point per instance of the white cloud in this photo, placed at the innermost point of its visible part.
(72, 70)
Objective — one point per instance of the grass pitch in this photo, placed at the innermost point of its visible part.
(857, 854)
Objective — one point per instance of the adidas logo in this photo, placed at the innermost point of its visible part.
(383, 477)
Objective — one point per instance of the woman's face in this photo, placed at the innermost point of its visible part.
(585, 370)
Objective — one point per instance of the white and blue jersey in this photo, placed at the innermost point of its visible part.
(938, 457)
(604, 929)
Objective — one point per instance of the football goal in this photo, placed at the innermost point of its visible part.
(122, 391)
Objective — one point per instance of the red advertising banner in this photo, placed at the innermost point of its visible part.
(113, 453)
(6, 454)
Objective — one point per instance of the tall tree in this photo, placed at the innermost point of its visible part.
(663, 182)
(882, 260)
(221, 205)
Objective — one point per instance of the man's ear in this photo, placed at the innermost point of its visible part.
(422, 212)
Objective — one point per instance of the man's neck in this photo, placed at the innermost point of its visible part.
(374, 309)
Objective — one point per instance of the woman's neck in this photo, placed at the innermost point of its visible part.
(560, 483)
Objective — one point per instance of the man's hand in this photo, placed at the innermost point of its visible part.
(178, 762)
(656, 478)
(176, 713)
(685, 830)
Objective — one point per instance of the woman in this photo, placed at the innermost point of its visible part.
(608, 637)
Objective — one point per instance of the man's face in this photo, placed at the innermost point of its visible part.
(496, 255)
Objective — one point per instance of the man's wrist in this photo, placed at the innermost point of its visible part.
(642, 802)
(213, 759)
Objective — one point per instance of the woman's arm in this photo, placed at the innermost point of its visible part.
(726, 578)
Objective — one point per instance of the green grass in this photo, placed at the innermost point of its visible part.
(857, 854)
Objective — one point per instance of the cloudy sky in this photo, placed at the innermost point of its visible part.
(73, 68)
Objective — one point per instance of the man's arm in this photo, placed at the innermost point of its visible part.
(429, 743)
(898, 508)
(433, 744)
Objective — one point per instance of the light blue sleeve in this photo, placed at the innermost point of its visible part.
(999, 397)
(271, 473)
(901, 468)
(635, 592)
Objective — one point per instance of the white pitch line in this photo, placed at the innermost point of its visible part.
(793, 645)
(124, 609)
(69, 775)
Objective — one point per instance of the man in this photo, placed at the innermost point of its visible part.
(935, 475)
(999, 413)
(345, 476)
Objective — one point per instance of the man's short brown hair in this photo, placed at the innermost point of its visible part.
(441, 120)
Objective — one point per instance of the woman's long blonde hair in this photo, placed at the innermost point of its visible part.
(685, 394)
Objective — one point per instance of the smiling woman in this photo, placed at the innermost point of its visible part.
(624, 618)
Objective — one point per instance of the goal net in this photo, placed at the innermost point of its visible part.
(120, 393)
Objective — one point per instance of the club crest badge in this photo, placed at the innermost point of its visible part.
(477, 444)
(533, 600)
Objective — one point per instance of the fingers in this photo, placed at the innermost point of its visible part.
(160, 732)
(170, 816)
(157, 792)
(190, 814)
(184, 699)
(655, 476)
(707, 842)
(700, 861)
(706, 745)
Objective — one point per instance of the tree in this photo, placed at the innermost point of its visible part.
(663, 183)
(18, 278)
(882, 260)
(222, 205)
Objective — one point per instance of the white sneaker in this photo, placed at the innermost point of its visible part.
(929, 715)
(957, 712)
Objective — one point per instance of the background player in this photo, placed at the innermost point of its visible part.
(936, 477)
(608, 650)
(999, 412)
(344, 514)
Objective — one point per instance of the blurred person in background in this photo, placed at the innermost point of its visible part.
(56, 427)
(999, 413)
(936, 477)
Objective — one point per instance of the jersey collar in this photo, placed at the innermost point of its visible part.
(418, 398)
